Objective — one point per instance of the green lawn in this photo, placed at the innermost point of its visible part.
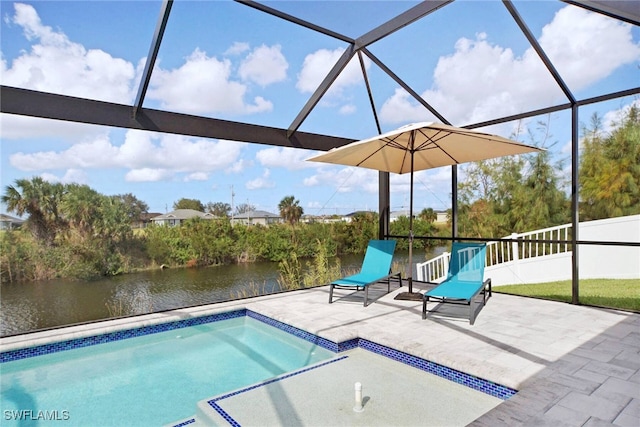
(623, 293)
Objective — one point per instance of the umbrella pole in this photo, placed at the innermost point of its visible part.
(410, 296)
(410, 276)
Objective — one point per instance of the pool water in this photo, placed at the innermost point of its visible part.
(149, 380)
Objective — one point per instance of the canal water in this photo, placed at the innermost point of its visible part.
(30, 306)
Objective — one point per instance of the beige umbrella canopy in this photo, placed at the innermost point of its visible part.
(432, 145)
(421, 146)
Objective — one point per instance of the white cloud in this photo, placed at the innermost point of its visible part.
(316, 66)
(400, 108)
(98, 153)
(345, 180)
(477, 82)
(179, 153)
(402, 183)
(56, 64)
(261, 182)
(347, 109)
(264, 66)
(285, 157)
(260, 105)
(240, 166)
(49, 177)
(197, 176)
(203, 85)
(71, 176)
(361, 180)
(148, 175)
(576, 37)
(237, 48)
(149, 156)
(612, 119)
(16, 127)
(481, 80)
(423, 181)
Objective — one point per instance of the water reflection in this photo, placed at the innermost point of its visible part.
(37, 305)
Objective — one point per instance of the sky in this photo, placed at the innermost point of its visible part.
(224, 60)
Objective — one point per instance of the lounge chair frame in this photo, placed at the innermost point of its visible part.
(453, 287)
(485, 290)
(365, 286)
(373, 271)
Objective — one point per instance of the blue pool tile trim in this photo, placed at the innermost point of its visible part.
(476, 383)
(185, 423)
(23, 353)
(471, 381)
(312, 338)
(214, 402)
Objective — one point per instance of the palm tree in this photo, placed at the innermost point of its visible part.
(114, 220)
(290, 209)
(40, 200)
(429, 215)
(81, 205)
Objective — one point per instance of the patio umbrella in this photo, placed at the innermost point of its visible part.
(421, 146)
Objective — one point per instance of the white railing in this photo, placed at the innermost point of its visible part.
(530, 245)
(435, 269)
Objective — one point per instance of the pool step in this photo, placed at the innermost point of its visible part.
(205, 416)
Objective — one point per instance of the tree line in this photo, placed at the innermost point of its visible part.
(83, 247)
(289, 207)
(74, 231)
(516, 194)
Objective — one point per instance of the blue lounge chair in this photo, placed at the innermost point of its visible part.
(464, 280)
(376, 267)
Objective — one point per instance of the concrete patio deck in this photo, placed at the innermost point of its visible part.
(573, 365)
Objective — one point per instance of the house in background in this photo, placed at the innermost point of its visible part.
(10, 223)
(256, 218)
(393, 216)
(442, 217)
(176, 217)
(323, 219)
(349, 217)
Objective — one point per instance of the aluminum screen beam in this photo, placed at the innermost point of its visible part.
(153, 54)
(389, 27)
(541, 53)
(405, 86)
(293, 19)
(561, 107)
(626, 10)
(340, 65)
(415, 13)
(369, 93)
(31, 103)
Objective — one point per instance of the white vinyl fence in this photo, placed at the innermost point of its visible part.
(534, 262)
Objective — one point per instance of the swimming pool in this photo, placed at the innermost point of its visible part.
(153, 375)
(151, 379)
